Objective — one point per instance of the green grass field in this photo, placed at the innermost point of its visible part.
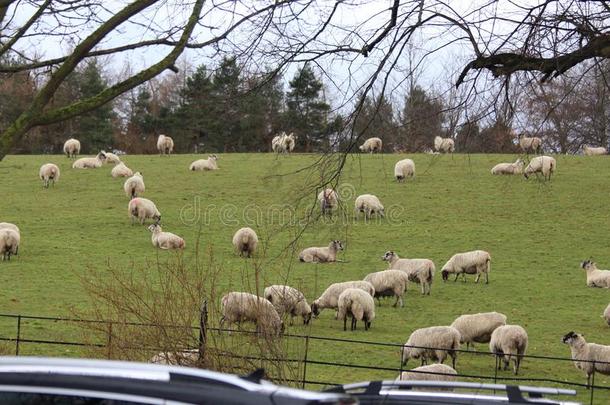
(537, 233)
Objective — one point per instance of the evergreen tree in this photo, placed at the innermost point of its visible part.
(376, 118)
(421, 120)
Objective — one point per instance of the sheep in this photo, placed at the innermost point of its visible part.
(205, 164)
(121, 170)
(288, 300)
(329, 200)
(165, 145)
(591, 151)
(431, 372)
(596, 277)
(289, 143)
(90, 163)
(277, 143)
(478, 327)
(526, 143)
(543, 164)
(606, 314)
(134, 185)
(142, 209)
(369, 204)
(357, 304)
(165, 240)
(330, 296)
(403, 169)
(589, 357)
(445, 145)
(187, 357)
(48, 173)
(420, 271)
(112, 158)
(245, 241)
(8, 225)
(389, 283)
(242, 306)
(321, 254)
(509, 341)
(72, 148)
(474, 262)
(371, 145)
(433, 343)
(508, 168)
(9, 243)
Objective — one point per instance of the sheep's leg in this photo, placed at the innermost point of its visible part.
(486, 278)
(345, 324)
(453, 359)
(354, 321)
(423, 288)
(456, 277)
(476, 280)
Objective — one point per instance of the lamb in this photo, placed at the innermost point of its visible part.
(433, 343)
(330, 297)
(357, 304)
(541, 164)
(329, 200)
(48, 173)
(165, 240)
(431, 372)
(596, 277)
(445, 145)
(112, 158)
(288, 300)
(242, 306)
(142, 209)
(134, 185)
(369, 204)
(606, 314)
(403, 169)
(478, 327)
(371, 145)
(321, 254)
(589, 357)
(526, 143)
(121, 170)
(474, 262)
(90, 163)
(389, 283)
(205, 164)
(420, 271)
(245, 241)
(72, 148)
(9, 243)
(508, 168)
(165, 145)
(592, 151)
(509, 341)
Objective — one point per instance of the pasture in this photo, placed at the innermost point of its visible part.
(537, 233)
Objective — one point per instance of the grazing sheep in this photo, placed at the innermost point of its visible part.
(358, 305)
(205, 164)
(371, 145)
(330, 296)
(606, 314)
(277, 143)
(121, 170)
(389, 283)
(134, 185)
(420, 271)
(596, 277)
(589, 357)
(165, 240)
(187, 357)
(48, 173)
(165, 145)
(321, 254)
(590, 151)
(72, 148)
(241, 306)
(112, 158)
(9, 243)
(474, 262)
(527, 144)
(403, 169)
(8, 225)
(142, 209)
(445, 145)
(288, 300)
(541, 164)
(478, 327)
(431, 372)
(508, 168)
(509, 341)
(369, 204)
(433, 343)
(329, 200)
(90, 163)
(245, 241)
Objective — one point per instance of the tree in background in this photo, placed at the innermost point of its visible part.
(376, 118)
(421, 120)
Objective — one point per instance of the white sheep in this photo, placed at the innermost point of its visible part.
(211, 163)
(288, 300)
(431, 372)
(187, 357)
(72, 148)
(475, 262)
(329, 200)
(134, 185)
(141, 209)
(277, 143)
(509, 341)
(48, 173)
(165, 240)
(371, 145)
(330, 296)
(241, 306)
(358, 305)
(403, 169)
(9, 243)
(289, 143)
(541, 164)
(445, 145)
(112, 158)
(592, 151)
(13, 227)
(420, 271)
(321, 254)
(478, 327)
(165, 145)
(432, 343)
(606, 315)
(589, 357)
(527, 144)
(508, 168)
(90, 163)
(369, 204)
(121, 170)
(245, 241)
(388, 283)
(596, 277)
